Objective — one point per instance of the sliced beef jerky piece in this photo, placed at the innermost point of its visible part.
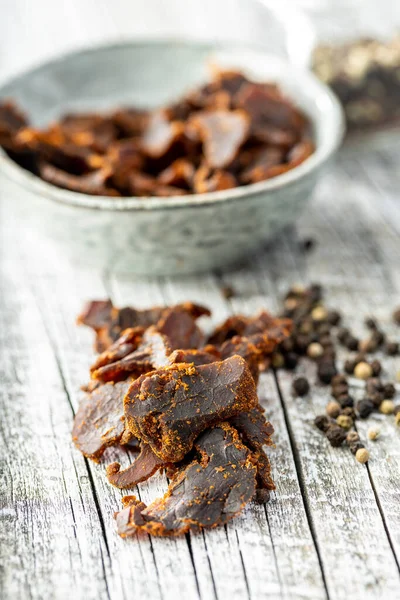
(179, 174)
(212, 180)
(211, 490)
(124, 157)
(243, 347)
(264, 159)
(179, 326)
(268, 108)
(109, 322)
(100, 421)
(129, 341)
(222, 133)
(93, 183)
(264, 478)
(127, 518)
(130, 121)
(170, 407)
(264, 173)
(254, 428)
(95, 131)
(195, 357)
(263, 322)
(12, 119)
(151, 353)
(144, 466)
(160, 134)
(52, 146)
(300, 152)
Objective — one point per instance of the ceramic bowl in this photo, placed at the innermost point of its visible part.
(163, 235)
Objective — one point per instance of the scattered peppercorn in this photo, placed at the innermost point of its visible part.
(376, 367)
(336, 435)
(352, 438)
(349, 366)
(262, 496)
(322, 422)
(343, 334)
(339, 380)
(333, 409)
(346, 401)
(315, 350)
(351, 343)
(339, 390)
(392, 348)
(300, 386)
(396, 316)
(373, 434)
(362, 455)
(319, 313)
(291, 361)
(371, 323)
(354, 448)
(344, 421)
(363, 370)
(349, 412)
(369, 345)
(364, 408)
(326, 371)
(228, 292)
(334, 317)
(389, 391)
(387, 407)
(379, 337)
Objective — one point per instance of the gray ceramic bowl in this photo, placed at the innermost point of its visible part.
(163, 235)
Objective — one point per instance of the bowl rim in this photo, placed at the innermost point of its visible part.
(31, 182)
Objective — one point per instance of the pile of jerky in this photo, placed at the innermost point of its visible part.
(187, 404)
(227, 133)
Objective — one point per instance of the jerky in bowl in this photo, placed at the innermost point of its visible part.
(137, 159)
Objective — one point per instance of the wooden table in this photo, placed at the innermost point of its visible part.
(332, 530)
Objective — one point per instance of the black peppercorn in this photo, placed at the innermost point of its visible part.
(351, 343)
(376, 367)
(356, 446)
(346, 401)
(392, 348)
(376, 398)
(300, 386)
(371, 323)
(326, 371)
(378, 336)
(339, 390)
(396, 316)
(336, 435)
(364, 408)
(334, 317)
(262, 496)
(349, 412)
(339, 380)
(291, 361)
(307, 244)
(322, 422)
(343, 334)
(389, 391)
(349, 366)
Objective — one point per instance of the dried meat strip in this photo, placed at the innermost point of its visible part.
(241, 325)
(94, 183)
(133, 354)
(145, 465)
(170, 407)
(195, 357)
(100, 421)
(210, 491)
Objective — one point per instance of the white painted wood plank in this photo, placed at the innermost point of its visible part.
(51, 540)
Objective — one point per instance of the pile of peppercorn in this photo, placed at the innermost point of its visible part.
(317, 333)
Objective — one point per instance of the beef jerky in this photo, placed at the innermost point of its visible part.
(242, 346)
(12, 120)
(264, 478)
(109, 322)
(130, 122)
(254, 428)
(118, 363)
(263, 322)
(123, 158)
(170, 407)
(160, 134)
(195, 357)
(93, 183)
(89, 129)
(208, 492)
(179, 174)
(263, 161)
(222, 133)
(268, 108)
(127, 518)
(212, 180)
(179, 326)
(144, 466)
(300, 152)
(100, 421)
